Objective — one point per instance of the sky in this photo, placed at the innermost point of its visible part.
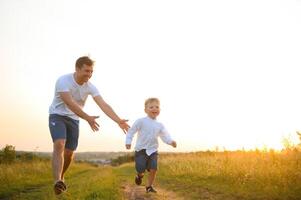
(227, 72)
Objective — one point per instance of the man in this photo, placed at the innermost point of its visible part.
(71, 92)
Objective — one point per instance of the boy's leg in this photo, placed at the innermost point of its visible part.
(140, 165)
(151, 177)
(138, 178)
(152, 168)
(140, 175)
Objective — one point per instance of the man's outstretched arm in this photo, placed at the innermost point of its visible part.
(107, 109)
(72, 105)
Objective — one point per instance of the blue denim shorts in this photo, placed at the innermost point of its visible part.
(62, 127)
(144, 162)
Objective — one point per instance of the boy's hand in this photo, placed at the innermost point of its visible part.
(174, 144)
(128, 146)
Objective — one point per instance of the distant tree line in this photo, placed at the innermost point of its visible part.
(122, 159)
(9, 155)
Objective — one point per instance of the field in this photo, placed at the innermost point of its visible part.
(234, 175)
(203, 175)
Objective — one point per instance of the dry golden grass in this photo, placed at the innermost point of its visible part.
(246, 175)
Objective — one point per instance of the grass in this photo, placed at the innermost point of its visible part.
(203, 175)
(20, 176)
(34, 181)
(233, 175)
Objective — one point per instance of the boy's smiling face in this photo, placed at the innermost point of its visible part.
(152, 109)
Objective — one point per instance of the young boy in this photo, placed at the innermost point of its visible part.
(146, 154)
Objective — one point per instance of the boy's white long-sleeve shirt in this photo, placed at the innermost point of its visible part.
(148, 132)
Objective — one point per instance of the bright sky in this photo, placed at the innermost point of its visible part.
(227, 72)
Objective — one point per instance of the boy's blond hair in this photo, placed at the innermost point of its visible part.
(150, 100)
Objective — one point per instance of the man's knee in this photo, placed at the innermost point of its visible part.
(59, 145)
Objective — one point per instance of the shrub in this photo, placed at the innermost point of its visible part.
(8, 154)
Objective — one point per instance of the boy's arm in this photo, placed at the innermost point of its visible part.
(107, 109)
(74, 107)
(130, 134)
(165, 137)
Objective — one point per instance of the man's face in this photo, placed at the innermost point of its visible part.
(85, 73)
(152, 109)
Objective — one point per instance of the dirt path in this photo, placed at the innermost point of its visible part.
(134, 192)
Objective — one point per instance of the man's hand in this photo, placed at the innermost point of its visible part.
(92, 122)
(123, 125)
(174, 144)
(107, 109)
(128, 146)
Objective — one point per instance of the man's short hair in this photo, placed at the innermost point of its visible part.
(80, 62)
(150, 100)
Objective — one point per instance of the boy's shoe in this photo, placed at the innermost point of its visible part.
(138, 180)
(150, 189)
(59, 187)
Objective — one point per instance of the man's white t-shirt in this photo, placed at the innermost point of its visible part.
(79, 93)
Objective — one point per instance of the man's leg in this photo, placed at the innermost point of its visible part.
(68, 157)
(58, 158)
(71, 143)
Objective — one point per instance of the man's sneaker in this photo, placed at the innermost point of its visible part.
(150, 189)
(59, 187)
(138, 179)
